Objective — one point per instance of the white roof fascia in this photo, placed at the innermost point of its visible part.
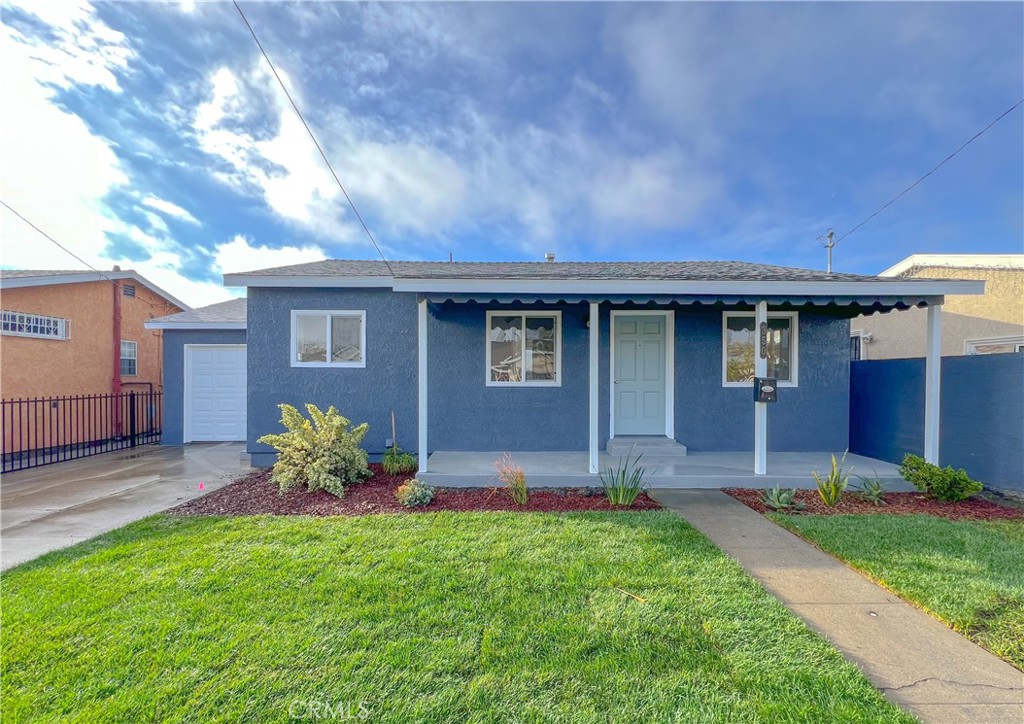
(966, 261)
(902, 287)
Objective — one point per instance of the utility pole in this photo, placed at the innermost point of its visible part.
(829, 242)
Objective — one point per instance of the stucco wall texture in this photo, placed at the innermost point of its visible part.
(999, 312)
(388, 382)
(174, 373)
(466, 414)
(981, 426)
(31, 367)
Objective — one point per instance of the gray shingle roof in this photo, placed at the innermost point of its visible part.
(642, 270)
(231, 311)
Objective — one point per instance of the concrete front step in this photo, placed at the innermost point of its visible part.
(648, 445)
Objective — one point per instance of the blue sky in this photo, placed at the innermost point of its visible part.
(153, 136)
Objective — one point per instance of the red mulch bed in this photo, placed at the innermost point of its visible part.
(896, 504)
(254, 494)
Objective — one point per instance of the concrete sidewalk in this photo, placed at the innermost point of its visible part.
(55, 506)
(914, 659)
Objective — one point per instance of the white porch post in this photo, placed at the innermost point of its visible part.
(421, 382)
(932, 383)
(595, 348)
(760, 408)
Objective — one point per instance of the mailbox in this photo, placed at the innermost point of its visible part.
(765, 389)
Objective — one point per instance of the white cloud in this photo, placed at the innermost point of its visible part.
(411, 185)
(56, 172)
(240, 255)
(169, 209)
(659, 191)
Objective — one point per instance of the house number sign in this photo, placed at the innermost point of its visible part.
(764, 340)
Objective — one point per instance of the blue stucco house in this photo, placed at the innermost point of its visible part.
(564, 364)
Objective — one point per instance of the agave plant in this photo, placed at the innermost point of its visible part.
(778, 499)
(872, 489)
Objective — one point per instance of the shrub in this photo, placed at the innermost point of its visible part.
(414, 494)
(396, 461)
(831, 487)
(945, 484)
(873, 489)
(321, 453)
(513, 477)
(624, 482)
(778, 499)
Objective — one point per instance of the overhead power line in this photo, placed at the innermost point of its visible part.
(64, 248)
(313, 138)
(905, 191)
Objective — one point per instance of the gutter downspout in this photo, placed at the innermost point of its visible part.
(116, 383)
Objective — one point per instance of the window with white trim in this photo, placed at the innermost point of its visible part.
(23, 324)
(328, 338)
(740, 341)
(524, 349)
(999, 345)
(129, 358)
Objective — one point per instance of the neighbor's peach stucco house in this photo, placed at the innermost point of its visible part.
(991, 323)
(79, 333)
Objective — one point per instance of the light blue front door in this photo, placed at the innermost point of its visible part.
(638, 383)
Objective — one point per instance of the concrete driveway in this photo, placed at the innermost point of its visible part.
(58, 505)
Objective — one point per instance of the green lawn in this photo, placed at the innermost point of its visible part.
(968, 573)
(430, 617)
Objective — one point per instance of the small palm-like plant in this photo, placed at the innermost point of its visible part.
(513, 477)
(831, 487)
(873, 489)
(624, 482)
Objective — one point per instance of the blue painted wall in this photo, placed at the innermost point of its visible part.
(174, 373)
(466, 414)
(388, 382)
(981, 426)
(809, 418)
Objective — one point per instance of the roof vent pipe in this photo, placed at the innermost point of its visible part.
(550, 256)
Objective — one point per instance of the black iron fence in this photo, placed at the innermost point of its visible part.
(46, 430)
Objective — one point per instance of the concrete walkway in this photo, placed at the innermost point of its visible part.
(58, 505)
(914, 659)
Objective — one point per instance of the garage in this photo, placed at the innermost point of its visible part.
(204, 373)
(215, 398)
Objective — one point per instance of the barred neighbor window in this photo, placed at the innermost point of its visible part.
(129, 358)
(22, 324)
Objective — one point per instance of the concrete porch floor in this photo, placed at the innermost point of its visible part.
(695, 470)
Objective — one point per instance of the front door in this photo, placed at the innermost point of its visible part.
(638, 382)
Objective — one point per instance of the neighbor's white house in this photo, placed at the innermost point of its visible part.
(990, 323)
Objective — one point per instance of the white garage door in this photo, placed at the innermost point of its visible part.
(214, 392)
